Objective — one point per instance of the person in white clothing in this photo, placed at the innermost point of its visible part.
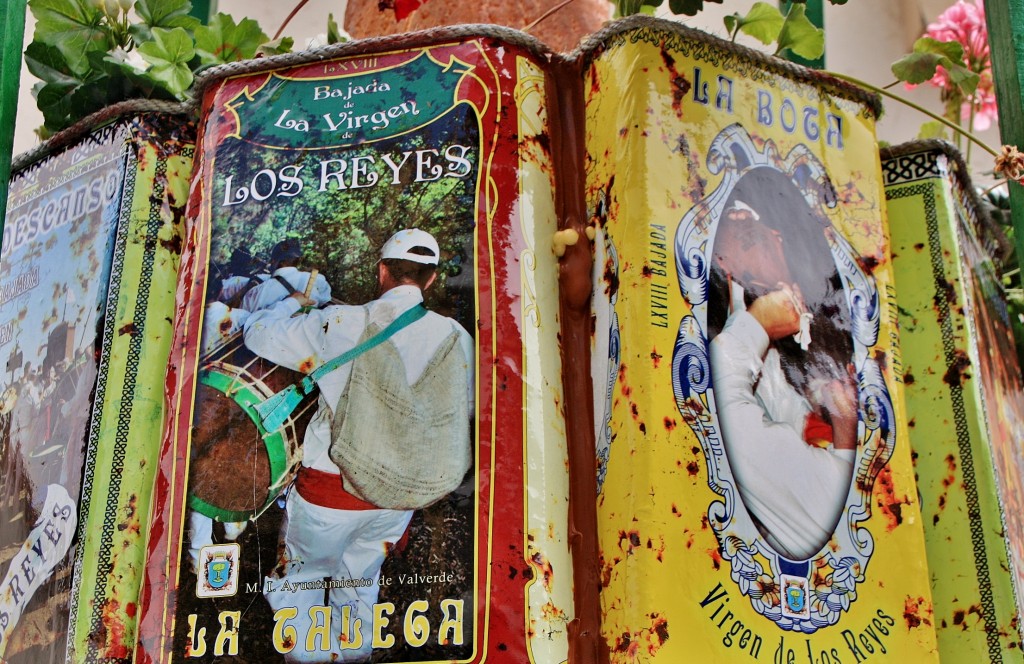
(791, 451)
(284, 258)
(330, 534)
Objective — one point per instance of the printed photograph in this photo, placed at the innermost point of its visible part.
(333, 435)
(782, 363)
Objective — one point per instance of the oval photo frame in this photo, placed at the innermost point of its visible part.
(806, 593)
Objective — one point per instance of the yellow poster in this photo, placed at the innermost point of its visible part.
(756, 494)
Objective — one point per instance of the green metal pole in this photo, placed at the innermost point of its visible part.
(12, 35)
(1005, 19)
(815, 14)
(203, 10)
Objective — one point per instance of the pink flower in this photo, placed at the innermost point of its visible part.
(964, 22)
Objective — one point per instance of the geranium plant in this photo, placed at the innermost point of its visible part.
(89, 54)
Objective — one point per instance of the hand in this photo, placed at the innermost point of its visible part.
(778, 312)
(303, 300)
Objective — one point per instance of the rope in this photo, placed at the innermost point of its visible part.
(593, 45)
(986, 230)
(90, 123)
(369, 46)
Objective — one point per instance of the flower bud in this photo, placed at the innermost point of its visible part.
(126, 5)
(111, 8)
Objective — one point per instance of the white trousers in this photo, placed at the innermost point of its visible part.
(323, 545)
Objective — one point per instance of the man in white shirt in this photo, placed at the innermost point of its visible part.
(329, 533)
(794, 489)
(284, 258)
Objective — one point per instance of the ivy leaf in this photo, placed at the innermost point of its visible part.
(801, 36)
(162, 14)
(689, 7)
(334, 35)
(223, 41)
(276, 47)
(74, 27)
(763, 22)
(168, 56)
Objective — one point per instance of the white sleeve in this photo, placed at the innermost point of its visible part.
(794, 489)
(296, 343)
(321, 292)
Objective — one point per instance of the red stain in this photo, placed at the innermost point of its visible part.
(716, 558)
(655, 358)
(544, 567)
(916, 612)
(659, 630)
(885, 497)
(633, 537)
(957, 371)
(680, 85)
(670, 424)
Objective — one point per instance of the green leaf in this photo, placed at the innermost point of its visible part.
(276, 47)
(48, 64)
(168, 55)
(223, 41)
(917, 67)
(731, 23)
(334, 35)
(801, 36)
(133, 84)
(162, 14)
(763, 22)
(75, 27)
(54, 101)
(928, 54)
(952, 50)
(166, 14)
(962, 77)
(688, 7)
(932, 129)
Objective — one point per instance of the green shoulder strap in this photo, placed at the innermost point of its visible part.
(273, 412)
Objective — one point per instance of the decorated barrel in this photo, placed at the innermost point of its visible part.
(965, 404)
(757, 499)
(88, 273)
(288, 525)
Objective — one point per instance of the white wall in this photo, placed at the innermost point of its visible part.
(863, 38)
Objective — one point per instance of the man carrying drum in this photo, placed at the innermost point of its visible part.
(329, 533)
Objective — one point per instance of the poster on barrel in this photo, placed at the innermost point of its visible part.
(964, 398)
(87, 281)
(757, 499)
(363, 301)
(57, 251)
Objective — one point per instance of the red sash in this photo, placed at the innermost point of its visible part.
(326, 490)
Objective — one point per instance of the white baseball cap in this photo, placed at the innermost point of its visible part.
(400, 244)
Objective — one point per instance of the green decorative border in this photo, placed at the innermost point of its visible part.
(927, 192)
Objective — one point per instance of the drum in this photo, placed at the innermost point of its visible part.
(237, 468)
